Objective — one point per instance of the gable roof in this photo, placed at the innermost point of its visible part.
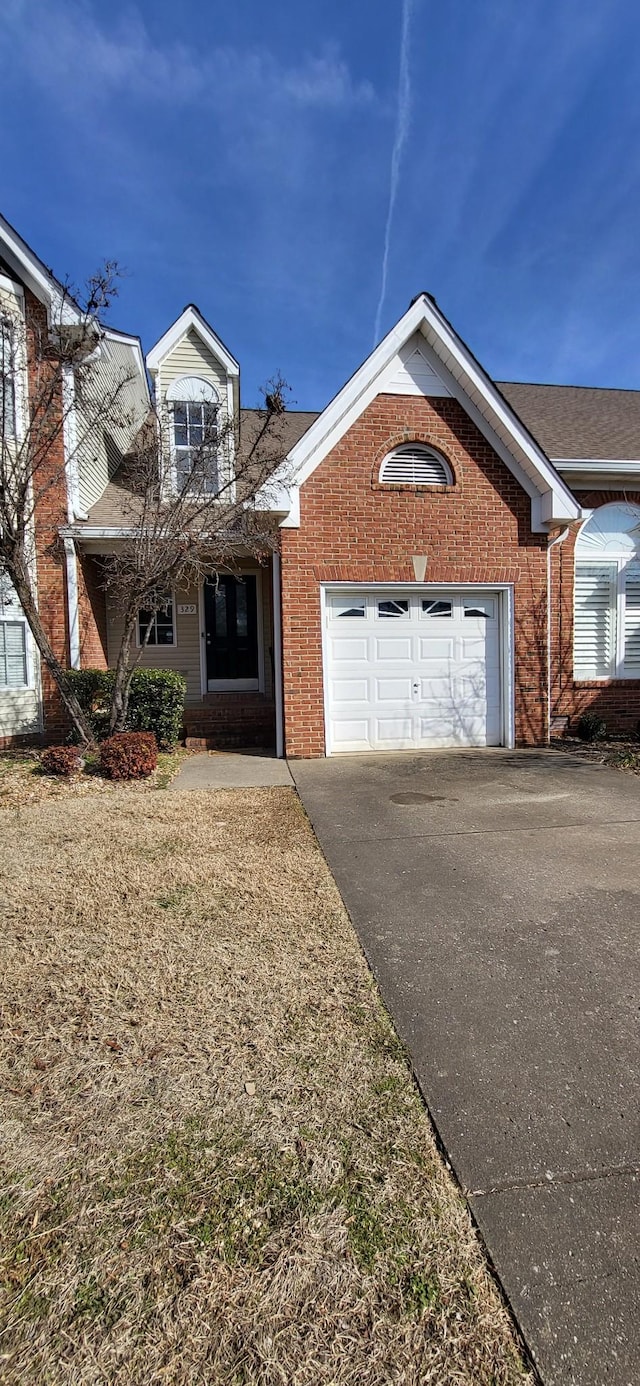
(579, 421)
(466, 380)
(191, 319)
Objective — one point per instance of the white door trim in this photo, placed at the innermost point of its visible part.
(506, 636)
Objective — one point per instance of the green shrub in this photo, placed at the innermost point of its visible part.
(591, 727)
(128, 756)
(61, 760)
(156, 701)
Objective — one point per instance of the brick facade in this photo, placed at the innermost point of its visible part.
(353, 530)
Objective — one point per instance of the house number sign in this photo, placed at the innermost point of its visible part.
(187, 610)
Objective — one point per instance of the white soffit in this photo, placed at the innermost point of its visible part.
(455, 367)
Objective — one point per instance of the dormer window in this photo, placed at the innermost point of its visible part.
(193, 406)
(415, 464)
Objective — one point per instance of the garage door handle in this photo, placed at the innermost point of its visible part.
(416, 687)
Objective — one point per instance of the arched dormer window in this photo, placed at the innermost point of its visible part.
(606, 624)
(193, 406)
(415, 464)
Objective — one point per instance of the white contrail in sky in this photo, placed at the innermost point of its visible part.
(403, 115)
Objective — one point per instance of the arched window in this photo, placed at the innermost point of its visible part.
(606, 625)
(415, 464)
(193, 406)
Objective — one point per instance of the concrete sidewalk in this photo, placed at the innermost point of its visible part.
(497, 897)
(231, 770)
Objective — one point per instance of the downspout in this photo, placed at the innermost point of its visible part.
(277, 656)
(72, 602)
(559, 539)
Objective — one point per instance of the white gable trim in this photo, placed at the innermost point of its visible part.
(191, 320)
(27, 265)
(410, 373)
(552, 501)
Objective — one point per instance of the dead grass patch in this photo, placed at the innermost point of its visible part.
(217, 1168)
(22, 782)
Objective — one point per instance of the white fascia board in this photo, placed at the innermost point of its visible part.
(188, 320)
(596, 464)
(472, 386)
(27, 265)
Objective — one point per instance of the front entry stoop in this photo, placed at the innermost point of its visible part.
(228, 721)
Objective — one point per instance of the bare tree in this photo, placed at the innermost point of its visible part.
(191, 511)
(51, 406)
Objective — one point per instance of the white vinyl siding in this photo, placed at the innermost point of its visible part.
(99, 450)
(20, 713)
(606, 626)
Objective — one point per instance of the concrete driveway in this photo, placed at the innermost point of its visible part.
(497, 897)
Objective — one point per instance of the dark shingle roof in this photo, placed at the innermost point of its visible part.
(579, 420)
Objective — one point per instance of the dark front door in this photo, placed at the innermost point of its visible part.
(230, 605)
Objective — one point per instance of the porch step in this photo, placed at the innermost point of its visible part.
(228, 721)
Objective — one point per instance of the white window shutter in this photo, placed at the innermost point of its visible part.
(632, 620)
(594, 623)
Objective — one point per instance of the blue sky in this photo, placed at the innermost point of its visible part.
(240, 157)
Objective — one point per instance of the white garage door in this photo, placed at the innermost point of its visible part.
(410, 671)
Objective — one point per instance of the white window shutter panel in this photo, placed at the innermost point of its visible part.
(594, 623)
(632, 620)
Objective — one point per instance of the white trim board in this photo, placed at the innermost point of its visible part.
(457, 369)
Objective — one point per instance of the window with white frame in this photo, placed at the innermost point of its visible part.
(606, 620)
(159, 624)
(14, 646)
(7, 382)
(193, 405)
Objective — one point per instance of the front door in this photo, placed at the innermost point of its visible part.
(231, 625)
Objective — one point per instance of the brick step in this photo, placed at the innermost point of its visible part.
(230, 740)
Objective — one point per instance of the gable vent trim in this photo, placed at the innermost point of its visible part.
(415, 465)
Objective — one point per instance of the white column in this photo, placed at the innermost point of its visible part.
(277, 657)
(72, 602)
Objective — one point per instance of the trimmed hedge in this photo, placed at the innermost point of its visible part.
(61, 760)
(129, 755)
(156, 701)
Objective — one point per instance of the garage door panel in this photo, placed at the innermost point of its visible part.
(389, 730)
(393, 651)
(389, 690)
(352, 733)
(350, 690)
(348, 650)
(423, 680)
(431, 650)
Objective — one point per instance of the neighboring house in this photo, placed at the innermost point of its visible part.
(34, 306)
(459, 559)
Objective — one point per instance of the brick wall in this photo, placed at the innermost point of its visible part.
(353, 530)
(617, 700)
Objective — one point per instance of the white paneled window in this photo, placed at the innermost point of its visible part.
(14, 647)
(160, 625)
(193, 406)
(606, 623)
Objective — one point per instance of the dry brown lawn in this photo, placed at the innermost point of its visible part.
(217, 1168)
